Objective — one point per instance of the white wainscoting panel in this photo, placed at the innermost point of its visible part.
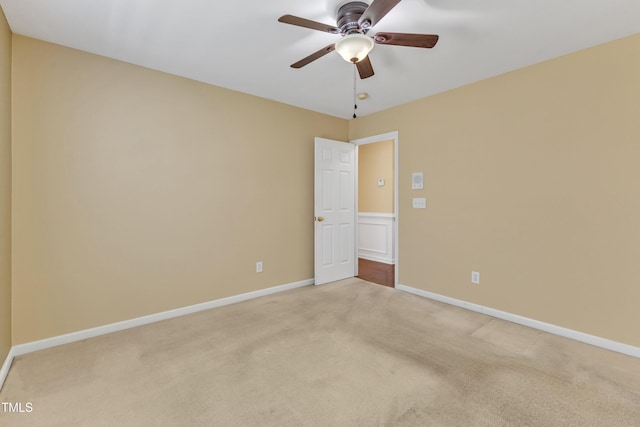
(375, 237)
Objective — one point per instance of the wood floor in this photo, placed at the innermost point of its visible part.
(376, 272)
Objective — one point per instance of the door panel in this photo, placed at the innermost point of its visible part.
(334, 210)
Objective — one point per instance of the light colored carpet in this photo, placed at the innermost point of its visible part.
(348, 353)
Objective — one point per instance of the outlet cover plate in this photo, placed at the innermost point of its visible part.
(475, 277)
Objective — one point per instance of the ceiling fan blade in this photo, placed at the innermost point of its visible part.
(315, 55)
(405, 39)
(365, 69)
(306, 23)
(375, 12)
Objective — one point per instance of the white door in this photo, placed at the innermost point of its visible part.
(334, 210)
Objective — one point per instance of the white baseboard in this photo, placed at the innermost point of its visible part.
(525, 321)
(377, 259)
(6, 366)
(30, 347)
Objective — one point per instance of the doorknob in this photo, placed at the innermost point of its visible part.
(320, 219)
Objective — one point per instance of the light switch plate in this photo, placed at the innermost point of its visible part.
(419, 203)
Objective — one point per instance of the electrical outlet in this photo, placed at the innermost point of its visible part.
(259, 267)
(475, 277)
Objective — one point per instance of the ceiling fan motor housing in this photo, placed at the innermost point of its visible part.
(354, 19)
(348, 16)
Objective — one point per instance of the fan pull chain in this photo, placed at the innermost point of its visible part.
(355, 105)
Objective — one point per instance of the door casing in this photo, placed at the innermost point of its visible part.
(368, 140)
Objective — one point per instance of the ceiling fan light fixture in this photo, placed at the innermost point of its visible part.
(354, 47)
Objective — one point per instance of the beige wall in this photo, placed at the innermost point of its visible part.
(137, 192)
(375, 161)
(5, 188)
(532, 179)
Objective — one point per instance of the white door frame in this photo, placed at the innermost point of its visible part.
(369, 140)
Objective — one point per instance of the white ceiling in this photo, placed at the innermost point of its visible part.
(238, 44)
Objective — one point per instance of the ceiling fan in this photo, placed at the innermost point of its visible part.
(353, 22)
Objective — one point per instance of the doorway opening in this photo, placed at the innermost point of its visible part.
(376, 201)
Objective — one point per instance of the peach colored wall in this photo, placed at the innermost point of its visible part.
(137, 192)
(5, 188)
(375, 161)
(532, 179)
